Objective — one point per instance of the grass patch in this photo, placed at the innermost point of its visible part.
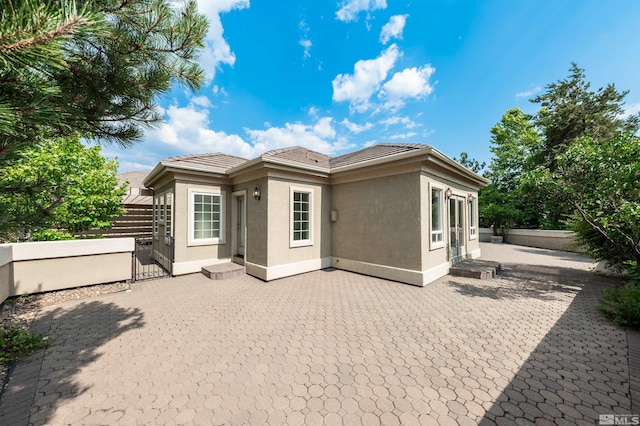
(622, 304)
(17, 343)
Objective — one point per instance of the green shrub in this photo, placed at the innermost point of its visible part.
(51, 235)
(622, 304)
(17, 343)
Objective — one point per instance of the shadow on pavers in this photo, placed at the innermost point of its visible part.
(39, 385)
(527, 281)
(579, 370)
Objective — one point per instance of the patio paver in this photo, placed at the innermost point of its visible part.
(332, 347)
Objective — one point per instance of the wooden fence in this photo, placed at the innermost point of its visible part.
(137, 221)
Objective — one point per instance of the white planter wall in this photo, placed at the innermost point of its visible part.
(36, 267)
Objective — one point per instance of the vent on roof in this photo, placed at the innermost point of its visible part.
(313, 157)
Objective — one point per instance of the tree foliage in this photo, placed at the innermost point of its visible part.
(600, 180)
(470, 163)
(60, 184)
(569, 111)
(504, 203)
(92, 67)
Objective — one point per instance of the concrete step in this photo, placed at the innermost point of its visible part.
(222, 271)
(475, 268)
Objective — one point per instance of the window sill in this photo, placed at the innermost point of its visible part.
(208, 242)
(304, 243)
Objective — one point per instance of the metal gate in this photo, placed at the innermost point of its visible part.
(152, 258)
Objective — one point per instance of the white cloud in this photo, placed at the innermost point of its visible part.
(632, 109)
(356, 128)
(393, 28)
(349, 9)
(410, 83)
(202, 101)
(358, 87)
(124, 166)
(187, 130)
(324, 129)
(306, 44)
(217, 49)
(403, 136)
(320, 137)
(405, 121)
(528, 93)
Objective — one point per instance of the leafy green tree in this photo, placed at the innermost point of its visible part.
(59, 185)
(498, 210)
(600, 180)
(505, 203)
(92, 67)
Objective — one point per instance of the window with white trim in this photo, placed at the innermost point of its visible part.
(168, 215)
(301, 217)
(206, 222)
(473, 212)
(156, 215)
(437, 217)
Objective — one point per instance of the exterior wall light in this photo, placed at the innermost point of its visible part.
(448, 193)
(256, 193)
(470, 197)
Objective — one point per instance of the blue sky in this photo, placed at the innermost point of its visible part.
(336, 76)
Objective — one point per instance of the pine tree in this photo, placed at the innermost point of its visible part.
(92, 67)
(569, 111)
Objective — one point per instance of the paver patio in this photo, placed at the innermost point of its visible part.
(332, 347)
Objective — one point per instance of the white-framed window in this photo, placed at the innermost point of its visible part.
(437, 217)
(206, 217)
(168, 214)
(301, 223)
(473, 214)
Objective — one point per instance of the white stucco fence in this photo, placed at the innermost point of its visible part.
(548, 239)
(35, 267)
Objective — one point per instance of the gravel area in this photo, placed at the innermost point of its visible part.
(22, 310)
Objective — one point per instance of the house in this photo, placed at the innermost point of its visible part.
(138, 203)
(403, 212)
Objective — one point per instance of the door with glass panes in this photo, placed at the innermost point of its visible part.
(456, 229)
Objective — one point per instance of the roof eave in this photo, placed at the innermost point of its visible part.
(381, 160)
(482, 181)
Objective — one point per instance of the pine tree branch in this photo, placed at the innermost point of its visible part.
(62, 30)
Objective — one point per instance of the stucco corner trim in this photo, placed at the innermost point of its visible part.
(475, 253)
(182, 268)
(269, 273)
(407, 276)
(432, 274)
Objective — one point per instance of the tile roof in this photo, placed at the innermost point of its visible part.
(212, 162)
(374, 152)
(135, 178)
(137, 193)
(300, 155)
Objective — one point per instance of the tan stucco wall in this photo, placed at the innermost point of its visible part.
(279, 251)
(379, 221)
(34, 276)
(184, 252)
